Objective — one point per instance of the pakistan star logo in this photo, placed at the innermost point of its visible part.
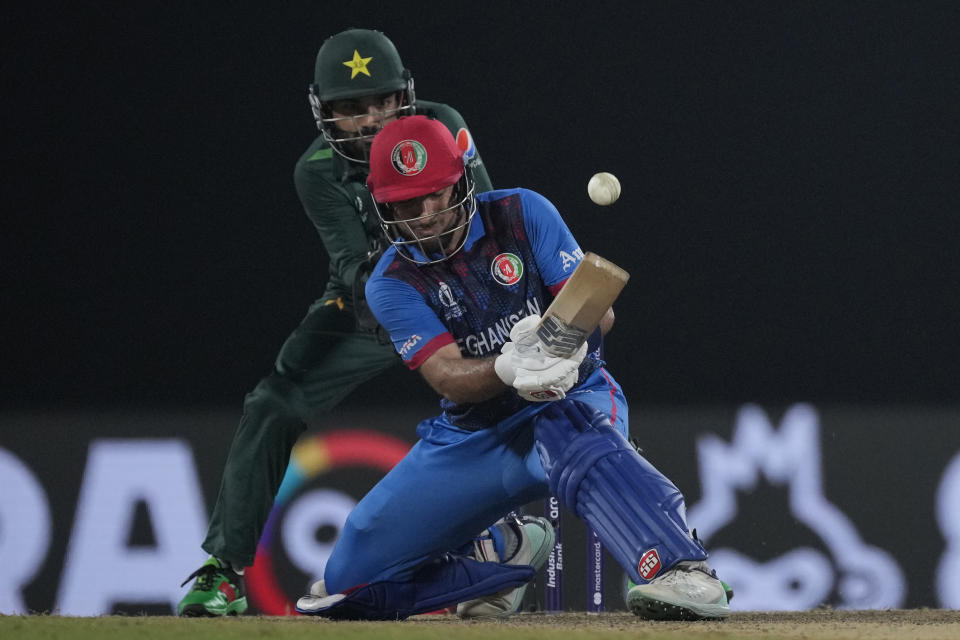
(823, 559)
(358, 65)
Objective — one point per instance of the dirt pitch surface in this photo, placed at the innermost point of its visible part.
(826, 623)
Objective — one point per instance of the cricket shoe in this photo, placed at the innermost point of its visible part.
(513, 540)
(689, 591)
(218, 591)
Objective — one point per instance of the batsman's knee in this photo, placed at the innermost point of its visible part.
(596, 473)
(570, 437)
(348, 564)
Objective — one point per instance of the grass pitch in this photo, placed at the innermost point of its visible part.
(921, 624)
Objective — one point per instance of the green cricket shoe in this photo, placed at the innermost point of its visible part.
(218, 591)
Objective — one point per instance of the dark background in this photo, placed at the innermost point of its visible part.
(789, 170)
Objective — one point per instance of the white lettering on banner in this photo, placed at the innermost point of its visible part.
(24, 531)
(866, 577)
(554, 564)
(100, 569)
(799, 579)
(597, 550)
(948, 517)
(308, 514)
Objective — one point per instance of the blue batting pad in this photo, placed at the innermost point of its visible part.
(635, 510)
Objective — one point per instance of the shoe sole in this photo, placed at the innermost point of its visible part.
(648, 608)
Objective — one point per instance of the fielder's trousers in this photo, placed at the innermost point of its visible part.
(324, 359)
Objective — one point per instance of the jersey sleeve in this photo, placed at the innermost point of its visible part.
(554, 247)
(414, 328)
(335, 218)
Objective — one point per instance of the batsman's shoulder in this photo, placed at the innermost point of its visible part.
(533, 205)
(536, 203)
(444, 113)
(498, 194)
(387, 281)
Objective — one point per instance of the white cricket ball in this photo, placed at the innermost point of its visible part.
(603, 188)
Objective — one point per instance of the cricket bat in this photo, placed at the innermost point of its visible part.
(580, 305)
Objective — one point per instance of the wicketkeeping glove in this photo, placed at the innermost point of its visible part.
(525, 365)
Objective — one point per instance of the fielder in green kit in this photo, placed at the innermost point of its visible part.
(360, 84)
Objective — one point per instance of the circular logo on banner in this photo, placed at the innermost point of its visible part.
(409, 157)
(313, 457)
(507, 269)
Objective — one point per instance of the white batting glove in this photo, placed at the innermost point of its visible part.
(527, 367)
(524, 333)
(545, 379)
(523, 337)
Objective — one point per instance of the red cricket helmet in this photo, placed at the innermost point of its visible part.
(412, 157)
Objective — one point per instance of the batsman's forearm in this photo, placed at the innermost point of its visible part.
(606, 322)
(467, 380)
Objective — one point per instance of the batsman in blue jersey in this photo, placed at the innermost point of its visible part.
(460, 292)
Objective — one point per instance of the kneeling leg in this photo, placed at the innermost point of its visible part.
(445, 581)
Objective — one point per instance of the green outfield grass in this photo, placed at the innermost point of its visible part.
(262, 628)
(918, 624)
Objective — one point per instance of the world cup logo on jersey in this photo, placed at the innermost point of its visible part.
(409, 157)
(451, 307)
(507, 269)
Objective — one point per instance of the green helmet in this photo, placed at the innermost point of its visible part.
(354, 64)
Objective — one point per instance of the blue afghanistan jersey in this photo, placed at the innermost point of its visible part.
(518, 255)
